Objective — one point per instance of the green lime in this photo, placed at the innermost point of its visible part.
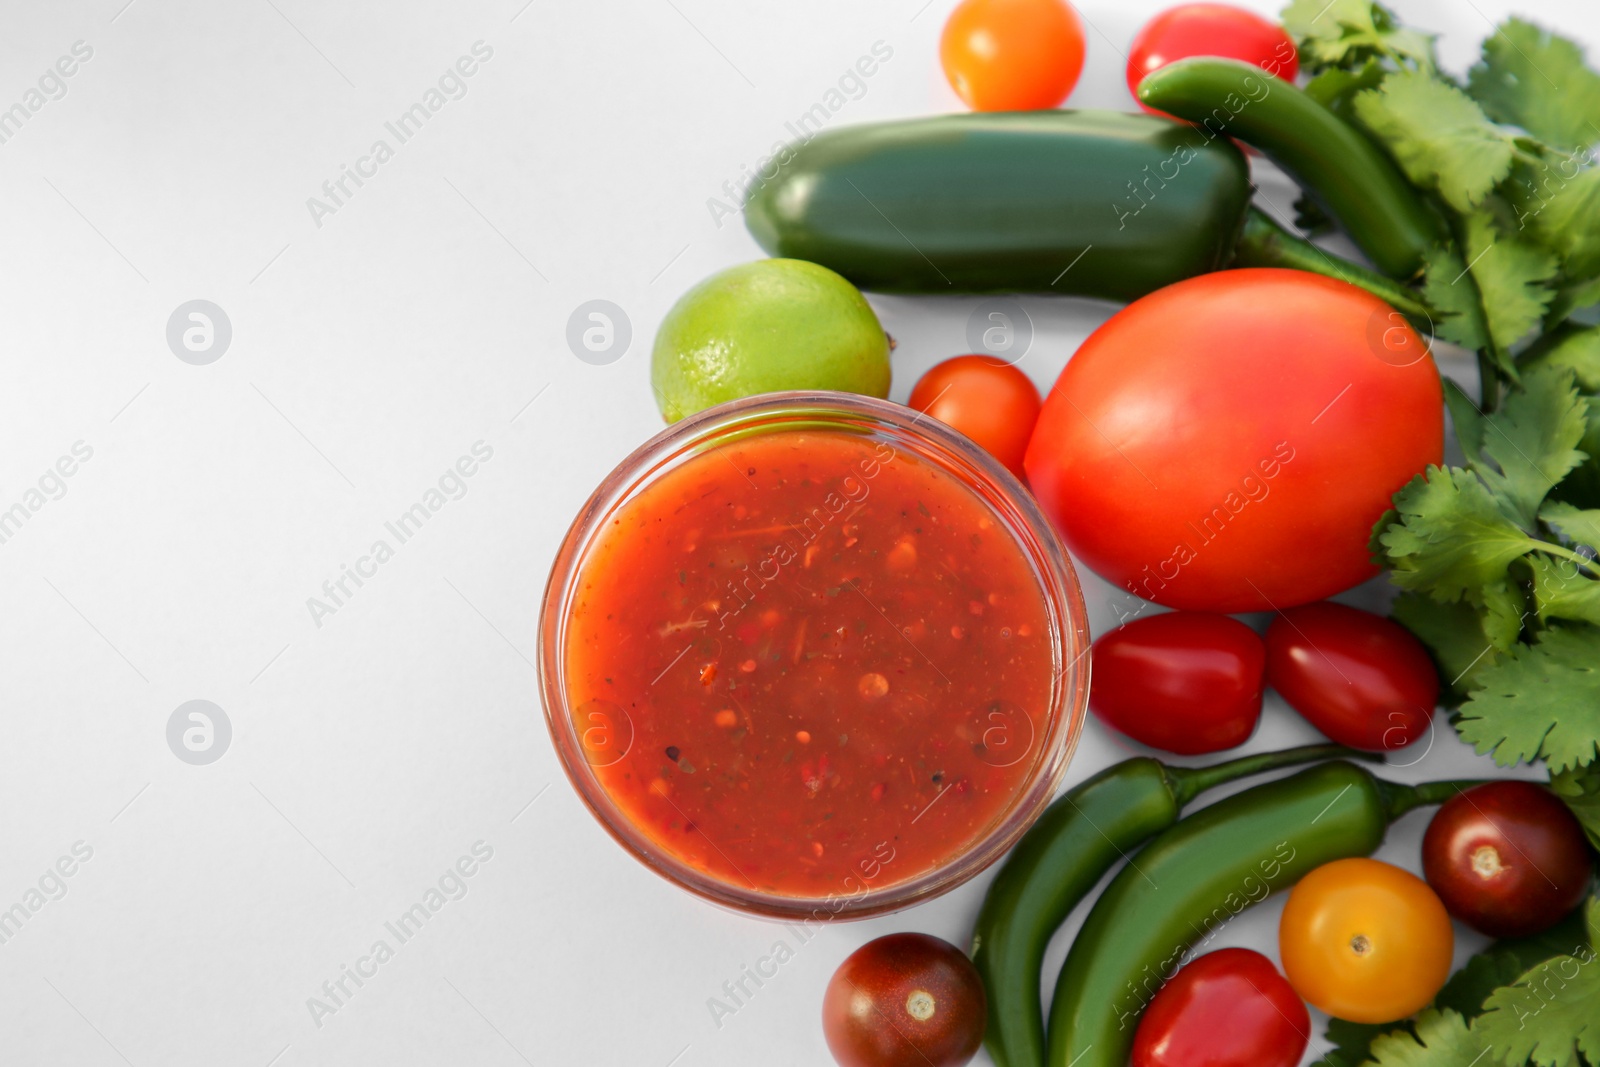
(763, 327)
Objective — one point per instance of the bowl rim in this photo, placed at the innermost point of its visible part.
(981, 473)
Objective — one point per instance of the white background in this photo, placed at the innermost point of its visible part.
(368, 353)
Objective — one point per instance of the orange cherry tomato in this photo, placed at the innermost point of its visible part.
(1012, 55)
(985, 398)
(1364, 940)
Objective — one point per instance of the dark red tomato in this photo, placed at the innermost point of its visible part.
(1184, 682)
(1507, 858)
(1360, 678)
(1229, 1008)
(905, 1000)
(1226, 443)
(985, 398)
(1210, 30)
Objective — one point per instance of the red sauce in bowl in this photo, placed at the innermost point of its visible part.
(808, 663)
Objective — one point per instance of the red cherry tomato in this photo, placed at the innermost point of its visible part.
(1229, 1008)
(1507, 858)
(1210, 30)
(1184, 682)
(985, 398)
(905, 1000)
(1361, 679)
(1226, 443)
(1012, 55)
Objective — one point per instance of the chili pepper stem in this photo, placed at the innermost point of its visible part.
(1264, 243)
(1399, 799)
(1189, 782)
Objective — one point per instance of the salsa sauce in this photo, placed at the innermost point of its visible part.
(808, 664)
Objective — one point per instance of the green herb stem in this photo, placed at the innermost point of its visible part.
(1566, 553)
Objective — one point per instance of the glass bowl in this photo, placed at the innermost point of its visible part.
(583, 746)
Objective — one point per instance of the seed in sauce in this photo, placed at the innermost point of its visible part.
(873, 685)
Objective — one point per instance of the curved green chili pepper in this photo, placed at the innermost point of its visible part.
(1077, 839)
(1353, 180)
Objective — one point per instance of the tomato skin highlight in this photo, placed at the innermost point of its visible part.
(904, 1000)
(1229, 1008)
(1210, 30)
(1365, 940)
(1362, 679)
(1184, 681)
(1508, 858)
(1012, 55)
(1227, 443)
(987, 399)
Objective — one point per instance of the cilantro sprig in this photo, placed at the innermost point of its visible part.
(1500, 574)
(1506, 154)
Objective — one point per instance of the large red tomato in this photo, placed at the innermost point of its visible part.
(1226, 443)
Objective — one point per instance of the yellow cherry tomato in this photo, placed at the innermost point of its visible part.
(1012, 55)
(1365, 941)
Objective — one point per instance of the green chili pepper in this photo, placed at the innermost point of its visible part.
(1090, 203)
(1197, 875)
(1266, 244)
(1075, 841)
(1347, 174)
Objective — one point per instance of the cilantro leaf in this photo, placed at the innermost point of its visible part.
(1549, 1015)
(1535, 79)
(1573, 298)
(1569, 223)
(1335, 87)
(1505, 609)
(1352, 1042)
(1441, 1040)
(1541, 702)
(1342, 33)
(1481, 975)
(1531, 442)
(1511, 276)
(1579, 526)
(1576, 347)
(1562, 592)
(1582, 486)
(1329, 32)
(1453, 633)
(1506, 960)
(1439, 135)
(1580, 789)
(1450, 538)
(1458, 317)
